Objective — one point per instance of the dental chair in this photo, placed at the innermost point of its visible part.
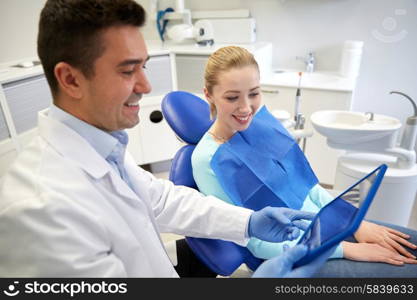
(189, 117)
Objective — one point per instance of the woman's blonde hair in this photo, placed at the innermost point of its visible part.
(222, 60)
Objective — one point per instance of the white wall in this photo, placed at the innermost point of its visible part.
(294, 27)
(18, 28)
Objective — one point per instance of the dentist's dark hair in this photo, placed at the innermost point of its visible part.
(70, 31)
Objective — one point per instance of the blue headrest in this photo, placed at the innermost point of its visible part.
(187, 114)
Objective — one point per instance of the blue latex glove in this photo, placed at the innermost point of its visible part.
(278, 224)
(282, 266)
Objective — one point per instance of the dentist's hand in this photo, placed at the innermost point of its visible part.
(282, 266)
(278, 224)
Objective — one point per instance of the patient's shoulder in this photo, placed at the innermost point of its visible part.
(204, 150)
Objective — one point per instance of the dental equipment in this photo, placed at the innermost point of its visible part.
(299, 117)
(408, 140)
(201, 31)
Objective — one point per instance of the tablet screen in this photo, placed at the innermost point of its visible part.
(338, 217)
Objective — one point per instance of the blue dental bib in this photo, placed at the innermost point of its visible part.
(263, 166)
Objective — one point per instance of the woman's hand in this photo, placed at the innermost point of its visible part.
(374, 253)
(384, 236)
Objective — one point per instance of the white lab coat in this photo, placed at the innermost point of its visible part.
(65, 212)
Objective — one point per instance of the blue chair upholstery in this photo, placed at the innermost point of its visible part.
(189, 117)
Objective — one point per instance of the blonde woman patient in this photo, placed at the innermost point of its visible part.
(232, 88)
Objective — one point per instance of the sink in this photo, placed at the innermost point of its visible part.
(355, 131)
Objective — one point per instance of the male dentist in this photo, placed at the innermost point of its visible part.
(74, 204)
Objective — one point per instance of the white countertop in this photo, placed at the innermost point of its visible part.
(8, 72)
(316, 80)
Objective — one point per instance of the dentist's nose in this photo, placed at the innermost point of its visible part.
(142, 85)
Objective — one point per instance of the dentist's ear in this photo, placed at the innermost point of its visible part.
(69, 79)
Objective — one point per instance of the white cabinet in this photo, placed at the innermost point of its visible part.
(160, 75)
(22, 96)
(152, 140)
(190, 72)
(8, 149)
(322, 158)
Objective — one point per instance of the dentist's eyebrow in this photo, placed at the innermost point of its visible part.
(132, 62)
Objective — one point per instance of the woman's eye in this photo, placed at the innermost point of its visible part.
(232, 98)
(144, 67)
(253, 94)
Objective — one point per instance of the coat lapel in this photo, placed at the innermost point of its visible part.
(71, 145)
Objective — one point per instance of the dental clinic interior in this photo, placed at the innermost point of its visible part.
(340, 75)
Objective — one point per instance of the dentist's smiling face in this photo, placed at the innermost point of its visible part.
(111, 96)
(236, 97)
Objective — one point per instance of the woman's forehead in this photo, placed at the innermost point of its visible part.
(238, 77)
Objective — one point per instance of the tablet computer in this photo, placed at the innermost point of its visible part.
(340, 219)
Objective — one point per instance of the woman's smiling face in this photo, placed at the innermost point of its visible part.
(236, 97)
